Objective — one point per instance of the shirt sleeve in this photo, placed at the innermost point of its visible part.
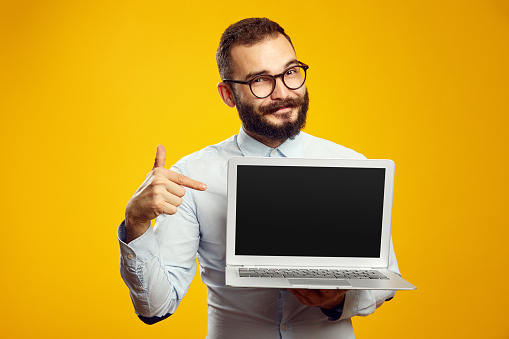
(158, 266)
(365, 302)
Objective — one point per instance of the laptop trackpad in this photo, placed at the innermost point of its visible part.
(322, 282)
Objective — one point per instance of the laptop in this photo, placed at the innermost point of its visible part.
(310, 223)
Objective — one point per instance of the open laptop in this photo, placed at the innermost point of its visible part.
(310, 223)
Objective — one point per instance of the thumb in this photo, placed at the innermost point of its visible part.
(160, 157)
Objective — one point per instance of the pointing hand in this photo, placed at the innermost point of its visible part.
(161, 192)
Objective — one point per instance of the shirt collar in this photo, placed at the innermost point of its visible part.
(251, 147)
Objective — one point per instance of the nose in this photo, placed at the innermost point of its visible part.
(280, 91)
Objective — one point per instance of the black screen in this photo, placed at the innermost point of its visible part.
(309, 211)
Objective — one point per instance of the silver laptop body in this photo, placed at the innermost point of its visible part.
(310, 223)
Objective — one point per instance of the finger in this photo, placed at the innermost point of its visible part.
(185, 181)
(302, 291)
(327, 293)
(174, 188)
(168, 208)
(160, 157)
(172, 199)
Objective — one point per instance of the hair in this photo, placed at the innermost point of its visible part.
(244, 32)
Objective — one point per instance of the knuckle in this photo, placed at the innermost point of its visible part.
(158, 191)
(157, 171)
(157, 205)
(156, 181)
(181, 178)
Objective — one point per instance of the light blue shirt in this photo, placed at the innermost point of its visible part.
(158, 266)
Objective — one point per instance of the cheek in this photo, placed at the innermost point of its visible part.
(301, 91)
(245, 93)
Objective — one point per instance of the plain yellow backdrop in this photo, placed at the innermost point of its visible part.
(89, 88)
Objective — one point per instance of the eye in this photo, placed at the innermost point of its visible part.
(261, 80)
(291, 71)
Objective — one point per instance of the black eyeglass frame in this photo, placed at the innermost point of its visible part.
(274, 77)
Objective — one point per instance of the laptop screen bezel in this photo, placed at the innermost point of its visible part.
(255, 260)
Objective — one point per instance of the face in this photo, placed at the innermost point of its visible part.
(283, 113)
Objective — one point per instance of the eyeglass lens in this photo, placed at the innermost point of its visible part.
(263, 85)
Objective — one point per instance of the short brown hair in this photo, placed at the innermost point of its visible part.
(244, 32)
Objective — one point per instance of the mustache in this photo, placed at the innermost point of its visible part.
(275, 106)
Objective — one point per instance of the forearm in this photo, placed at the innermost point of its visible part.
(152, 291)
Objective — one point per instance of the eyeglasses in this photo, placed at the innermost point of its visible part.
(263, 85)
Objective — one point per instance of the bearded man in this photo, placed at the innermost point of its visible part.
(262, 78)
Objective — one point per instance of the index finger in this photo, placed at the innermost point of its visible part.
(182, 180)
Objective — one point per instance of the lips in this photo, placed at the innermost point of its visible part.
(283, 109)
(277, 106)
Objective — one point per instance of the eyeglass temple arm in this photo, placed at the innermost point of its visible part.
(236, 81)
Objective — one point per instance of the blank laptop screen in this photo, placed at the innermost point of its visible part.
(309, 211)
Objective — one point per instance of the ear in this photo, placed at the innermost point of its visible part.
(225, 92)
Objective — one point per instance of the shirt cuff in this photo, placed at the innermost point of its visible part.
(334, 313)
(143, 248)
(153, 320)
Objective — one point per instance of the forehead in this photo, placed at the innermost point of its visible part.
(270, 55)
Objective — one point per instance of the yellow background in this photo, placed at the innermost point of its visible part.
(89, 88)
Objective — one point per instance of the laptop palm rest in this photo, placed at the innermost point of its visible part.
(323, 282)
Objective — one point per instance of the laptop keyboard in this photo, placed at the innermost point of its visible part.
(310, 273)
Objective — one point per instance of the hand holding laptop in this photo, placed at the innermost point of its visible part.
(319, 298)
(161, 192)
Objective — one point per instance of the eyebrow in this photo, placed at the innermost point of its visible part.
(251, 75)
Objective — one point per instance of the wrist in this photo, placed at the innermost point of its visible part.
(134, 228)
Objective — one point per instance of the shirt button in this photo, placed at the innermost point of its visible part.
(140, 288)
(274, 152)
(284, 327)
(130, 256)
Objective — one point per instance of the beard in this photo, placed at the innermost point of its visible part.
(254, 120)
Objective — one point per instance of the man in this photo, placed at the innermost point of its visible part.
(264, 80)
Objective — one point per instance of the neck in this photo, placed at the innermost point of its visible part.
(266, 141)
